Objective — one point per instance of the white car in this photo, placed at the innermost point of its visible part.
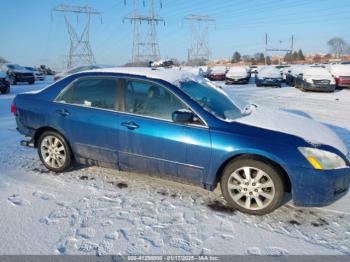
(237, 75)
(39, 76)
(315, 79)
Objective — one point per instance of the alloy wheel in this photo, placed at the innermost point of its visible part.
(251, 188)
(53, 152)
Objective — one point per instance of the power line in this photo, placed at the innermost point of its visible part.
(80, 51)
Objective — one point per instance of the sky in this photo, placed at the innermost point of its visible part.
(31, 34)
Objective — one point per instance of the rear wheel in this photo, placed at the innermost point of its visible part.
(31, 82)
(252, 186)
(54, 151)
(6, 90)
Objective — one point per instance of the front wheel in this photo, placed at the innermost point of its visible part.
(252, 186)
(54, 152)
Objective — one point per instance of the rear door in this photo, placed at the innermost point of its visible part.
(150, 142)
(87, 111)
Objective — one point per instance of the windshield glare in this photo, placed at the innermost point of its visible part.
(213, 99)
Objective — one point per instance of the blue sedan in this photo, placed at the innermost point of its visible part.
(172, 124)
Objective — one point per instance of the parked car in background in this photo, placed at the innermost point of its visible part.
(285, 72)
(315, 79)
(217, 73)
(17, 73)
(293, 72)
(268, 76)
(237, 75)
(78, 69)
(39, 76)
(253, 69)
(4, 83)
(108, 117)
(341, 73)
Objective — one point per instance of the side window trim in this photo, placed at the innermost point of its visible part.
(124, 86)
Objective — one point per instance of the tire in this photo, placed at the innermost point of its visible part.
(252, 196)
(55, 158)
(31, 82)
(6, 91)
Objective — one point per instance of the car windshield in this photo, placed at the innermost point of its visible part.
(213, 99)
(18, 67)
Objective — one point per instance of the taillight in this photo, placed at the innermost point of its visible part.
(337, 80)
(55, 78)
(13, 108)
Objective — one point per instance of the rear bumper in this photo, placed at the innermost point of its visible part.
(311, 187)
(319, 88)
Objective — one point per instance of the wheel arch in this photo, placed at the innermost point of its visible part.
(43, 129)
(286, 179)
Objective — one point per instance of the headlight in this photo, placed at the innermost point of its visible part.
(309, 80)
(321, 159)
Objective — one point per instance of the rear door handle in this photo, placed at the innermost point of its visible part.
(63, 112)
(130, 125)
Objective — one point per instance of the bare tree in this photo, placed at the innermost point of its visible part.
(337, 46)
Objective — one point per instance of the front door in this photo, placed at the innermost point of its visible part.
(150, 142)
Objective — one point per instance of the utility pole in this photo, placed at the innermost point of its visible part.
(199, 51)
(80, 51)
(279, 49)
(145, 44)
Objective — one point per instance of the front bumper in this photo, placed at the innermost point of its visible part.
(269, 82)
(311, 187)
(24, 78)
(318, 87)
(231, 80)
(217, 77)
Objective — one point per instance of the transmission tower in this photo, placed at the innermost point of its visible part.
(145, 42)
(199, 25)
(80, 51)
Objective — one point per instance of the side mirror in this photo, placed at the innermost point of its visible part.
(183, 116)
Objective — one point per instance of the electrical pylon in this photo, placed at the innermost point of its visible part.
(80, 51)
(145, 42)
(199, 51)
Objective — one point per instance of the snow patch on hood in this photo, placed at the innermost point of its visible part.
(289, 123)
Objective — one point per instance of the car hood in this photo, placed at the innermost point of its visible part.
(319, 77)
(21, 71)
(293, 124)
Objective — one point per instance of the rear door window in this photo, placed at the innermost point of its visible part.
(92, 92)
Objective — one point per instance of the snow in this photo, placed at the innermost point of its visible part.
(269, 71)
(339, 70)
(238, 71)
(218, 70)
(92, 210)
(293, 124)
(169, 75)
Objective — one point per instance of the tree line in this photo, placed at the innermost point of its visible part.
(259, 58)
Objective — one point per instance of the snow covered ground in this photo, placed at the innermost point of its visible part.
(100, 211)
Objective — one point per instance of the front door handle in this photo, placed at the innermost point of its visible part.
(63, 112)
(130, 125)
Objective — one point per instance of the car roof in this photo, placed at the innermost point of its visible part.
(169, 75)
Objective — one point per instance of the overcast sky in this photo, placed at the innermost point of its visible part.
(29, 35)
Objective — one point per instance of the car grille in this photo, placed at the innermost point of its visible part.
(24, 74)
(321, 82)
